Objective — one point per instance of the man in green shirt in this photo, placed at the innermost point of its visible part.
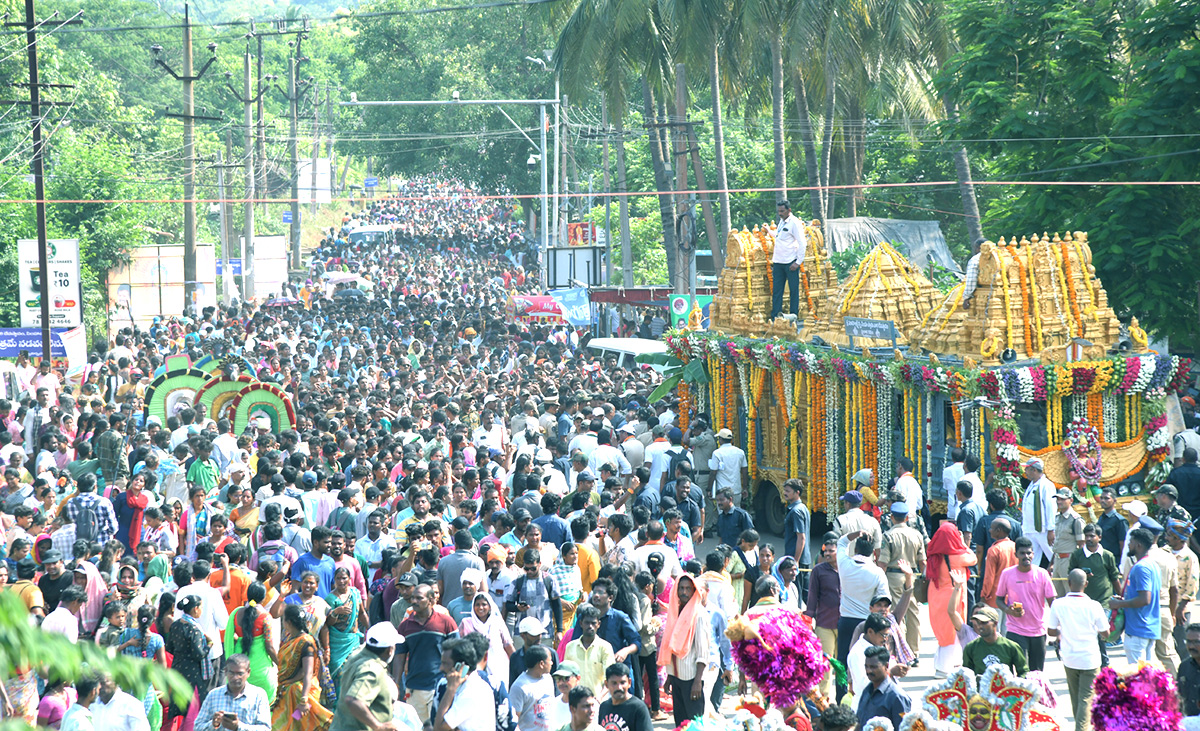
(203, 472)
(990, 648)
(1099, 565)
(84, 463)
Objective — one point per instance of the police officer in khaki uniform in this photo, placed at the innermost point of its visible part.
(902, 542)
(1168, 597)
(1068, 536)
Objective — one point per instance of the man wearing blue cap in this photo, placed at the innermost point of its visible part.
(904, 543)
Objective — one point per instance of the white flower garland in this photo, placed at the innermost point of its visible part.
(884, 418)
(744, 383)
(832, 487)
(1078, 407)
(1109, 404)
(788, 388)
(1025, 385)
(1146, 366)
(928, 456)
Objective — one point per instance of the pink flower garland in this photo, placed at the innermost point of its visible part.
(794, 664)
(1144, 701)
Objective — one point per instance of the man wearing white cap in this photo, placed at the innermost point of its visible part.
(367, 690)
(1038, 510)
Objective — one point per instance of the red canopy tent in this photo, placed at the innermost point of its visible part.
(638, 296)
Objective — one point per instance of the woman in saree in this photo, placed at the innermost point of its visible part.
(189, 648)
(489, 622)
(565, 573)
(245, 516)
(194, 522)
(313, 606)
(249, 633)
(344, 621)
(297, 705)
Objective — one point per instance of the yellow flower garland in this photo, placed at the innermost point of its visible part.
(898, 261)
(960, 289)
(1070, 310)
(1087, 281)
(1007, 301)
(1033, 295)
(860, 277)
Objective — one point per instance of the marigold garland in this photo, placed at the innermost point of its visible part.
(849, 428)
(860, 277)
(1064, 268)
(685, 405)
(807, 293)
(898, 261)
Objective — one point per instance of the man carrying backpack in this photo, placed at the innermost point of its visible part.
(92, 515)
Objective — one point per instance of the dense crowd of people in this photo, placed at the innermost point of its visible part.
(474, 524)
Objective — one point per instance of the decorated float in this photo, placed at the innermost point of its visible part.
(1032, 363)
(225, 386)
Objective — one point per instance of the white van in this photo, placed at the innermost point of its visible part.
(626, 349)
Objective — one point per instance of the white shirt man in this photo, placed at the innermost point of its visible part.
(471, 695)
(908, 486)
(726, 464)
(950, 477)
(608, 454)
(790, 242)
(121, 712)
(1038, 510)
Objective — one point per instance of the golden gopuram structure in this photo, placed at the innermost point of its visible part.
(1034, 298)
(884, 286)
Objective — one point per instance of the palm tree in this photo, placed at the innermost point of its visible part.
(610, 42)
(702, 30)
(771, 18)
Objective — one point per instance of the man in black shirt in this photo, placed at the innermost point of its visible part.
(622, 712)
(1112, 525)
(1188, 680)
(54, 579)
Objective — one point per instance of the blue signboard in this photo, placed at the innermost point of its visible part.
(371, 183)
(234, 264)
(287, 216)
(15, 339)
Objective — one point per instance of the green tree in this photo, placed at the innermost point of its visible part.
(1075, 93)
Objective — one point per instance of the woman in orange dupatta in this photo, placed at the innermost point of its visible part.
(685, 648)
(297, 704)
(948, 561)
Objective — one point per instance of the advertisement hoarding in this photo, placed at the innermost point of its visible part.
(66, 297)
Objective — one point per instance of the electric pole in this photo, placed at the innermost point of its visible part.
(226, 272)
(248, 103)
(295, 89)
(39, 184)
(189, 117)
(329, 141)
(281, 27)
(316, 147)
